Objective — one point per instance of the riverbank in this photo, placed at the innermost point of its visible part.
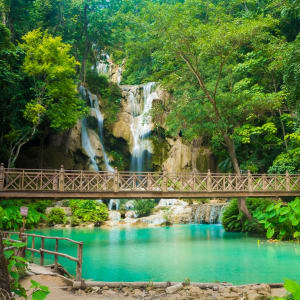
(65, 289)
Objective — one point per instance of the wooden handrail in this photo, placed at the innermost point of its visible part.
(42, 249)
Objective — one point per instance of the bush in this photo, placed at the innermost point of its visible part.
(281, 221)
(88, 211)
(11, 218)
(233, 220)
(143, 207)
(56, 216)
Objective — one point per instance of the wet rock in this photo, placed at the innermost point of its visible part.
(174, 288)
(138, 293)
(130, 214)
(195, 291)
(252, 295)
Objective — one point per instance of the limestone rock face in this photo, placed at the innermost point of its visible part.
(122, 127)
(74, 142)
(188, 157)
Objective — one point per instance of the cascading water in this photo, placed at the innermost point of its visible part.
(209, 213)
(86, 143)
(141, 125)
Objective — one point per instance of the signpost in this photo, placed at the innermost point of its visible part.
(24, 214)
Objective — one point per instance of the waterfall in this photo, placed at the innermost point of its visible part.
(114, 203)
(141, 124)
(86, 143)
(209, 213)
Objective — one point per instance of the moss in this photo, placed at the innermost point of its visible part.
(109, 93)
(160, 148)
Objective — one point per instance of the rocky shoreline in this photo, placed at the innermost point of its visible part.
(151, 290)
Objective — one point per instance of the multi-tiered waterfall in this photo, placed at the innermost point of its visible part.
(140, 99)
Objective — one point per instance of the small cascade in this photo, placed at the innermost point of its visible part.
(114, 204)
(86, 144)
(141, 125)
(209, 213)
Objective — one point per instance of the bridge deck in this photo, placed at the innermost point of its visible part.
(22, 183)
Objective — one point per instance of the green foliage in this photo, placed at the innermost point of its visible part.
(40, 292)
(110, 95)
(88, 211)
(143, 207)
(11, 217)
(233, 220)
(49, 63)
(56, 216)
(16, 267)
(293, 288)
(280, 220)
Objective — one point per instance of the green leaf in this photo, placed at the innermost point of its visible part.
(39, 295)
(270, 232)
(284, 211)
(296, 234)
(291, 286)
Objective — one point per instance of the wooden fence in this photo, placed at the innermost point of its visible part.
(41, 251)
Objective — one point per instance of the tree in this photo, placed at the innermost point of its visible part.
(52, 69)
(198, 47)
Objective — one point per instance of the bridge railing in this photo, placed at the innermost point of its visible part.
(89, 181)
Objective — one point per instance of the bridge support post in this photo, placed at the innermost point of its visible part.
(287, 181)
(250, 181)
(209, 188)
(61, 182)
(165, 182)
(1, 176)
(116, 181)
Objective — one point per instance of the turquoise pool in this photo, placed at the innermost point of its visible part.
(202, 253)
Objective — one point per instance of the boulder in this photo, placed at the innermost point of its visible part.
(174, 288)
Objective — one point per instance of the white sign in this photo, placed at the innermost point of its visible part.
(24, 211)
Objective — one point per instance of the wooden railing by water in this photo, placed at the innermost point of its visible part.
(20, 183)
(23, 237)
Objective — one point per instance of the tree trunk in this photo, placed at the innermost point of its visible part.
(242, 205)
(4, 276)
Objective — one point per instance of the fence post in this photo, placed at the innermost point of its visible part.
(250, 181)
(1, 176)
(56, 257)
(116, 180)
(42, 252)
(209, 187)
(165, 182)
(264, 183)
(287, 181)
(32, 246)
(194, 180)
(148, 181)
(61, 179)
(79, 262)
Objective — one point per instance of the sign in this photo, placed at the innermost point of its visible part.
(24, 211)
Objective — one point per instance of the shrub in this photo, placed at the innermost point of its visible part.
(88, 211)
(143, 207)
(233, 220)
(11, 218)
(281, 221)
(75, 221)
(56, 216)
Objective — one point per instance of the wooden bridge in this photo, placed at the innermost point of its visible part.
(28, 183)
